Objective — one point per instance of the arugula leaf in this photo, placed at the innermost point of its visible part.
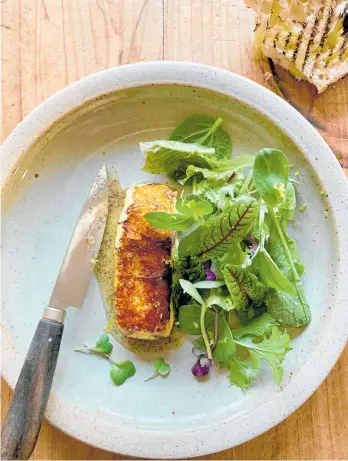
(204, 130)
(270, 273)
(172, 221)
(161, 369)
(258, 327)
(241, 373)
(217, 235)
(244, 287)
(193, 205)
(189, 319)
(270, 175)
(168, 156)
(122, 371)
(225, 348)
(287, 309)
(273, 350)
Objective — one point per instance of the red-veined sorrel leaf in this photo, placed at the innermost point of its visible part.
(217, 235)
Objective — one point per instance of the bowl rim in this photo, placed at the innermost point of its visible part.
(166, 444)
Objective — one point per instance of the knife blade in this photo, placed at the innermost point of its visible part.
(78, 264)
(26, 411)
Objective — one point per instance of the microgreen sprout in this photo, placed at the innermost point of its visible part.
(161, 369)
(120, 372)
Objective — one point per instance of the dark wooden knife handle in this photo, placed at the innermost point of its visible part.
(25, 414)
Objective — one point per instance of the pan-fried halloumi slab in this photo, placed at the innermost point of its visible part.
(143, 255)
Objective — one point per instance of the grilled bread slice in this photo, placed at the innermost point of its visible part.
(143, 255)
(306, 37)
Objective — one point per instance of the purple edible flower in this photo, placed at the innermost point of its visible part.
(202, 366)
(209, 274)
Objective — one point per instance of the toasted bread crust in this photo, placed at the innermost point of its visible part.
(307, 38)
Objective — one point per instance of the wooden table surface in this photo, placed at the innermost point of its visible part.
(48, 44)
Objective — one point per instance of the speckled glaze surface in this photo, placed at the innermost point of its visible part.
(49, 162)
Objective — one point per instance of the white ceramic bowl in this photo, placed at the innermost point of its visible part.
(100, 119)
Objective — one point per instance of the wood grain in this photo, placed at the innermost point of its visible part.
(49, 43)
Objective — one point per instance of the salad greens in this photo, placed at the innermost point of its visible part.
(236, 271)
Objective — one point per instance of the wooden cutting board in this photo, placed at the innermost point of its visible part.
(48, 44)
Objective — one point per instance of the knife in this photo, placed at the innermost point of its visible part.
(26, 411)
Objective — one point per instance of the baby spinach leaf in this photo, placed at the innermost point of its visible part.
(258, 327)
(189, 319)
(217, 235)
(168, 156)
(273, 350)
(225, 348)
(122, 371)
(270, 273)
(270, 175)
(244, 287)
(193, 205)
(172, 221)
(204, 130)
(287, 309)
(241, 373)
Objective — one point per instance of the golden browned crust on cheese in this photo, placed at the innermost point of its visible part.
(142, 279)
